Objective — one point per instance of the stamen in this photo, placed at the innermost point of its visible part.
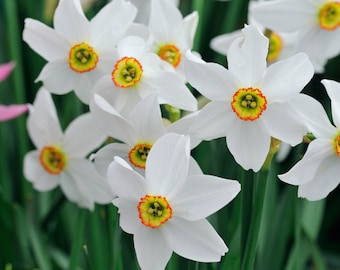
(248, 103)
(139, 153)
(154, 211)
(171, 54)
(52, 159)
(127, 72)
(329, 16)
(82, 58)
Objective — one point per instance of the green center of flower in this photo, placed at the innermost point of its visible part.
(171, 54)
(329, 16)
(139, 153)
(52, 159)
(275, 46)
(248, 103)
(82, 58)
(337, 144)
(127, 72)
(154, 211)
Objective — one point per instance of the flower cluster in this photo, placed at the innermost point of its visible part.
(131, 68)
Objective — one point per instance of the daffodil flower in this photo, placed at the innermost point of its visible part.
(172, 34)
(281, 44)
(317, 173)
(78, 51)
(166, 210)
(250, 102)
(60, 158)
(138, 73)
(10, 111)
(317, 22)
(138, 132)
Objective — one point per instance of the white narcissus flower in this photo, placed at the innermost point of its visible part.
(166, 211)
(249, 100)
(138, 73)
(317, 173)
(78, 51)
(172, 34)
(138, 132)
(60, 158)
(281, 45)
(317, 22)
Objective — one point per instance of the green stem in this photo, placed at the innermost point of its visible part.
(258, 203)
(15, 53)
(77, 243)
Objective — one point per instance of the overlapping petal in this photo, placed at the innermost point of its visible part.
(305, 170)
(124, 182)
(167, 164)
(82, 136)
(333, 91)
(128, 220)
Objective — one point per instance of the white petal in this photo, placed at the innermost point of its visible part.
(183, 126)
(131, 46)
(222, 42)
(212, 80)
(106, 154)
(90, 184)
(71, 191)
(314, 116)
(58, 78)
(171, 89)
(82, 136)
(45, 41)
(36, 174)
(303, 172)
(111, 122)
(325, 180)
(248, 143)
(125, 182)
(128, 220)
(285, 15)
(212, 121)
(43, 123)
(147, 119)
(70, 21)
(333, 91)
(197, 241)
(188, 30)
(165, 21)
(286, 78)
(167, 163)
(202, 195)
(194, 168)
(247, 56)
(152, 251)
(281, 120)
(113, 19)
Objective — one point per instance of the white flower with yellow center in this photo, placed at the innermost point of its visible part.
(281, 45)
(138, 131)
(60, 157)
(166, 211)
(78, 51)
(250, 102)
(172, 34)
(138, 73)
(317, 22)
(317, 173)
